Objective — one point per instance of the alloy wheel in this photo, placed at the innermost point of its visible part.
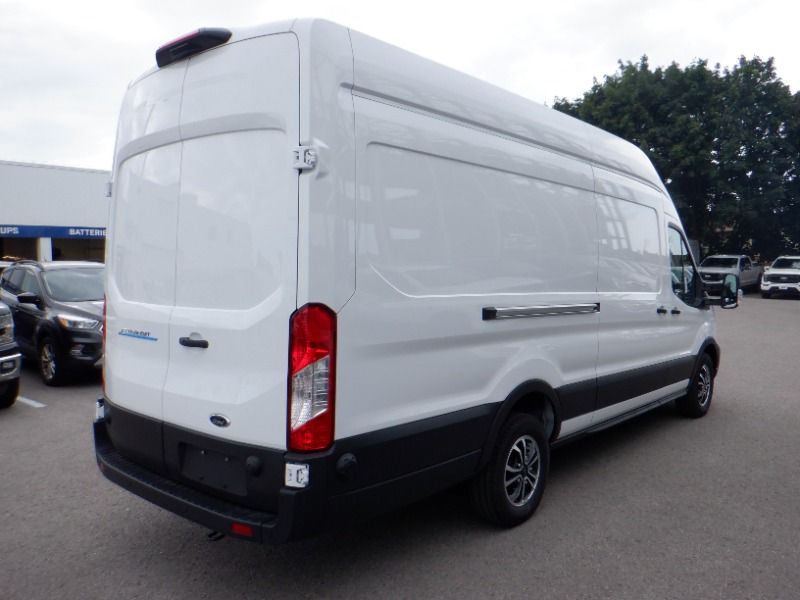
(522, 470)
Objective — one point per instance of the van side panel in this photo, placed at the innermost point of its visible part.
(452, 221)
(396, 76)
(632, 265)
(637, 363)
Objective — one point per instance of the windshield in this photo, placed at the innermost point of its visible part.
(786, 263)
(75, 285)
(718, 262)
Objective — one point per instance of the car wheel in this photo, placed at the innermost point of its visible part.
(51, 365)
(508, 489)
(9, 391)
(765, 294)
(697, 400)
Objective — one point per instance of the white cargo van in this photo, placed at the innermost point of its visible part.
(341, 277)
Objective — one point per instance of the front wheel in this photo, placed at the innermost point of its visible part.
(8, 393)
(51, 365)
(697, 400)
(765, 294)
(508, 489)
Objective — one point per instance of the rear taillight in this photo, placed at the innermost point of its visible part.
(312, 371)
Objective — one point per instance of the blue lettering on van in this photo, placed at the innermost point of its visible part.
(139, 335)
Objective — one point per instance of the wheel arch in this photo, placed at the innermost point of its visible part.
(45, 329)
(535, 397)
(710, 347)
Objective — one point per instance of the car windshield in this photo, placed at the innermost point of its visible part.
(786, 263)
(75, 285)
(719, 262)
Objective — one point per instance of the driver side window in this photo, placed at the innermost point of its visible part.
(683, 273)
(29, 284)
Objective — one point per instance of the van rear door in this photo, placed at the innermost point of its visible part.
(236, 246)
(225, 251)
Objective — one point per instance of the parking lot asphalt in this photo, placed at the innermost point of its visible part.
(659, 507)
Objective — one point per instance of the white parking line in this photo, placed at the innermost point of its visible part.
(30, 402)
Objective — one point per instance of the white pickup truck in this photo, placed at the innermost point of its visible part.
(714, 268)
(783, 277)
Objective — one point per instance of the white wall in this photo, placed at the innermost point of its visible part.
(55, 196)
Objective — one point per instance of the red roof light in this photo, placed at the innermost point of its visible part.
(190, 44)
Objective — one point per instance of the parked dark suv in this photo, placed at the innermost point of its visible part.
(58, 311)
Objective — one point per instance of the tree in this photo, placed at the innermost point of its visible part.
(758, 153)
(724, 141)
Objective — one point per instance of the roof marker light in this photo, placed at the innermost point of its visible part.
(189, 44)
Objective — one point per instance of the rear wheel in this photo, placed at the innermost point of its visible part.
(509, 488)
(51, 364)
(701, 389)
(9, 390)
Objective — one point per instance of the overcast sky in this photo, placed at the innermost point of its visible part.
(65, 64)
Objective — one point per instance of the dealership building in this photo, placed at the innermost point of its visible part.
(52, 213)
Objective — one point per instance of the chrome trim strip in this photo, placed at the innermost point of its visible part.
(15, 371)
(491, 313)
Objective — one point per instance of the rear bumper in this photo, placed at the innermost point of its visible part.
(357, 478)
(205, 509)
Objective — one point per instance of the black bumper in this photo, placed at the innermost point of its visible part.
(205, 509)
(82, 349)
(357, 478)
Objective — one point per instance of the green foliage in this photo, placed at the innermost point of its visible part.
(725, 141)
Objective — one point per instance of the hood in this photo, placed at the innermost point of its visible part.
(92, 309)
(782, 272)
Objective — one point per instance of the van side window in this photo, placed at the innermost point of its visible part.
(682, 270)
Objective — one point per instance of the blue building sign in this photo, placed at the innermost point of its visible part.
(46, 231)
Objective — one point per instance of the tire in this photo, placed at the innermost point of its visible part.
(9, 391)
(765, 294)
(494, 493)
(697, 401)
(51, 362)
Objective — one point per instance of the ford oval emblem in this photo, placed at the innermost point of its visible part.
(219, 420)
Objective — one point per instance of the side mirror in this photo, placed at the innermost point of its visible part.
(730, 291)
(28, 298)
(729, 297)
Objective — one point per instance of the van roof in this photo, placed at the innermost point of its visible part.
(390, 74)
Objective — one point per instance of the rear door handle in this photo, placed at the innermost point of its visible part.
(661, 310)
(193, 343)
(675, 311)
